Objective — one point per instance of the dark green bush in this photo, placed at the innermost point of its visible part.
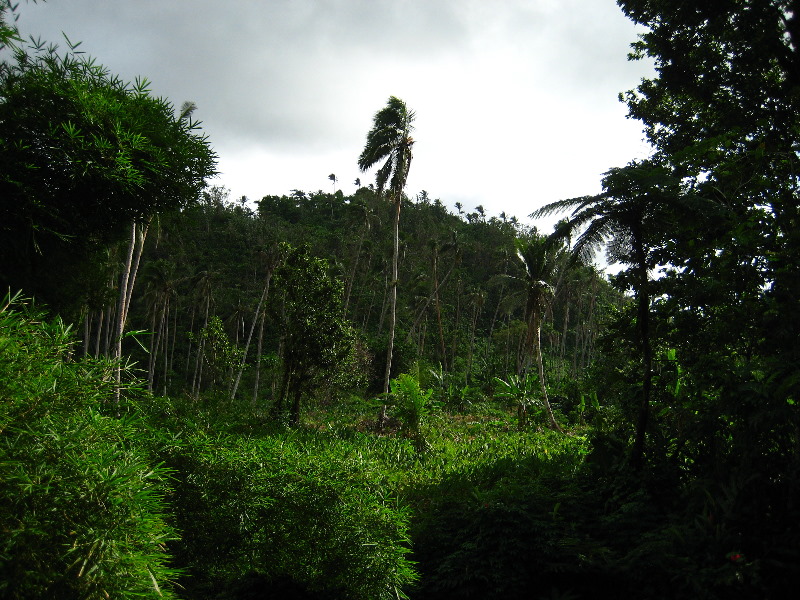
(81, 504)
(266, 507)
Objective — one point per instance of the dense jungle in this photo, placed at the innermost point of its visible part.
(377, 395)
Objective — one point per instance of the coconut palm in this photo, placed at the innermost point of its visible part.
(542, 260)
(638, 201)
(389, 141)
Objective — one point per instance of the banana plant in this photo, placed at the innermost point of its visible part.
(518, 389)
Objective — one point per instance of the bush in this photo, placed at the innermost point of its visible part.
(81, 504)
(412, 406)
(263, 508)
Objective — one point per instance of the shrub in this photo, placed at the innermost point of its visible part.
(412, 405)
(263, 508)
(81, 504)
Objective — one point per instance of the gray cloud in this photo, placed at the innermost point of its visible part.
(297, 81)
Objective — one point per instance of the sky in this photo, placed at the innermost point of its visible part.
(515, 100)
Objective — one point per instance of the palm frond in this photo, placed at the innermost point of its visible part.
(390, 139)
(591, 239)
(383, 175)
(558, 206)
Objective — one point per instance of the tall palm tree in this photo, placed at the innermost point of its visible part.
(638, 202)
(390, 141)
(542, 260)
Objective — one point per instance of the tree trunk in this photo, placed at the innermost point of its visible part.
(165, 345)
(351, 279)
(540, 364)
(472, 328)
(151, 363)
(277, 408)
(392, 306)
(98, 333)
(258, 358)
(492, 323)
(107, 329)
(136, 246)
(250, 335)
(198, 369)
(421, 313)
(643, 316)
(459, 292)
(438, 307)
(121, 304)
(86, 332)
(297, 391)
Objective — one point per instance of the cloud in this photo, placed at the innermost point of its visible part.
(515, 99)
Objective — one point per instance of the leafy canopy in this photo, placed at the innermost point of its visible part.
(390, 139)
(82, 153)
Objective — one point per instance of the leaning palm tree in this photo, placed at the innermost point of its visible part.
(390, 141)
(637, 204)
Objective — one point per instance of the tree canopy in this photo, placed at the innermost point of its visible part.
(82, 154)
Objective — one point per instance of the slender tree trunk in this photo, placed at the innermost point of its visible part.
(591, 333)
(384, 304)
(353, 271)
(368, 313)
(250, 335)
(134, 256)
(459, 292)
(492, 323)
(258, 358)
(508, 344)
(189, 349)
(473, 326)
(198, 369)
(540, 364)
(165, 344)
(422, 311)
(392, 305)
(107, 329)
(98, 333)
(297, 392)
(151, 363)
(438, 307)
(563, 370)
(86, 331)
(121, 305)
(277, 408)
(643, 316)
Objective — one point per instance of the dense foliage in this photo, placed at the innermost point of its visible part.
(551, 433)
(82, 154)
(81, 499)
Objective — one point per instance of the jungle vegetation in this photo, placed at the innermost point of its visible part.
(308, 396)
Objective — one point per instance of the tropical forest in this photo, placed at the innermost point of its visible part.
(379, 395)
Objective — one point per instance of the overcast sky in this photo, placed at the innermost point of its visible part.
(516, 100)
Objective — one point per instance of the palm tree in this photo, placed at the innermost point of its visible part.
(638, 201)
(390, 140)
(542, 260)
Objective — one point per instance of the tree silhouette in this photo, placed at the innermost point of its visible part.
(637, 204)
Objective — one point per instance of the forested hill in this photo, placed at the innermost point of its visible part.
(461, 308)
